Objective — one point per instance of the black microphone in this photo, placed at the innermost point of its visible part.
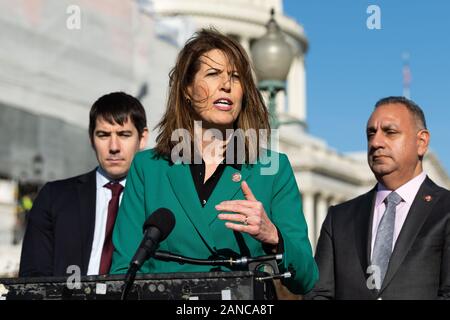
(156, 229)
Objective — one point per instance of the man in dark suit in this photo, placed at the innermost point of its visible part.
(394, 241)
(70, 224)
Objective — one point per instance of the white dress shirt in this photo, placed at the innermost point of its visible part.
(101, 215)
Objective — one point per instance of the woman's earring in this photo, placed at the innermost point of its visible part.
(189, 102)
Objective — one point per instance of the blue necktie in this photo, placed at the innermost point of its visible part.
(382, 249)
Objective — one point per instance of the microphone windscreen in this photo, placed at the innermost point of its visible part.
(162, 219)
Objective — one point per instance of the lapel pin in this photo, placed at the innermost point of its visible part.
(428, 198)
(236, 177)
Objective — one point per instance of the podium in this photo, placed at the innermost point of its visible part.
(238, 285)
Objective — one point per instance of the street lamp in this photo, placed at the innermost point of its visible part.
(272, 58)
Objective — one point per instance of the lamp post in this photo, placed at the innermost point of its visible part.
(272, 58)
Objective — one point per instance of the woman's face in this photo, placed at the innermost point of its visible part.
(216, 91)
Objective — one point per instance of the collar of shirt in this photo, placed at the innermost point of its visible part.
(408, 191)
(102, 179)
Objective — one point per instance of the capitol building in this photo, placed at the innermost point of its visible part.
(58, 56)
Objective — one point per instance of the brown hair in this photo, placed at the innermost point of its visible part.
(180, 115)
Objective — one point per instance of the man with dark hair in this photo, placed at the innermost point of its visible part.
(415, 110)
(71, 222)
(394, 241)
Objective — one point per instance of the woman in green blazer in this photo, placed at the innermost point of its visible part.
(230, 196)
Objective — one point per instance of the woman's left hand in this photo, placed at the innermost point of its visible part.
(251, 215)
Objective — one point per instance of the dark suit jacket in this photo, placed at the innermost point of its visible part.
(60, 228)
(419, 267)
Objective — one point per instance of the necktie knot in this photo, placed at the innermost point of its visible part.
(393, 199)
(115, 187)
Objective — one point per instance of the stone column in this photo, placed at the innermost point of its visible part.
(321, 213)
(308, 211)
(296, 89)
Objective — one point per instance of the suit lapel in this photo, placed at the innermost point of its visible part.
(225, 189)
(87, 198)
(418, 213)
(363, 227)
(184, 189)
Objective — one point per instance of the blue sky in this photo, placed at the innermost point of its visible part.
(350, 67)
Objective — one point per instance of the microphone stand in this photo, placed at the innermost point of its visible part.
(243, 261)
(252, 263)
(129, 280)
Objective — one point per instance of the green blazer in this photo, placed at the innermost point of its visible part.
(153, 182)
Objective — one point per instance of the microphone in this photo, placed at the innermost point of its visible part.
(156, 229)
